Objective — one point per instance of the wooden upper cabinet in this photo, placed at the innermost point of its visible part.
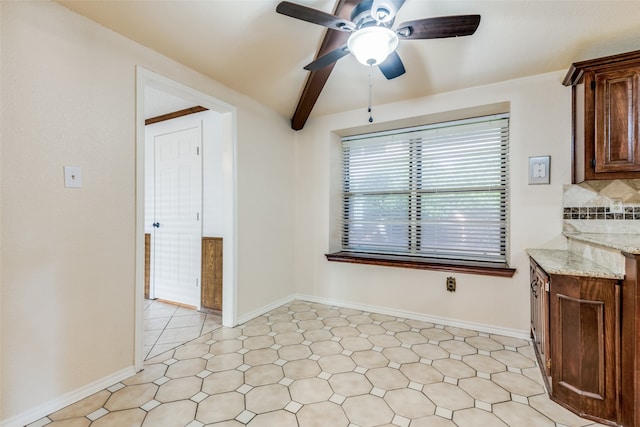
(606, 137)
(616, 111)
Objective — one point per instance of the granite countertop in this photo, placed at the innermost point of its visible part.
(558, 261)
(629, 243)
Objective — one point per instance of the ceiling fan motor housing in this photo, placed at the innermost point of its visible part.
(362, 15)
(385, 10)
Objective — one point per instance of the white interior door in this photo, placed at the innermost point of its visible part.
(177, 225)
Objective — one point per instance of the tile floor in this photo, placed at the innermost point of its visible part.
(167, 326)
(308, 365)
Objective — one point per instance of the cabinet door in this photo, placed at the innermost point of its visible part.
(630, 339)
(584, 313)
(543, 342)
(533, 300)
(540, 315)
(616, 121)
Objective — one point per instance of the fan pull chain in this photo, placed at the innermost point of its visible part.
(370, 96)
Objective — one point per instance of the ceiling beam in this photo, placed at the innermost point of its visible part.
(316, 80)
(174, 115)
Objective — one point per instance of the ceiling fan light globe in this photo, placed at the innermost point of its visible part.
(372, 45)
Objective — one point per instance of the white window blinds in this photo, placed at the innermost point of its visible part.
(437, 191)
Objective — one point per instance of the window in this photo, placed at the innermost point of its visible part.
(436, 193)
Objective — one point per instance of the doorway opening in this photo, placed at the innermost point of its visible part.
(210, 184)
(174, 218)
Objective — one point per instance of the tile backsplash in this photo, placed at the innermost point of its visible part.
(600, 212)
(587, 206)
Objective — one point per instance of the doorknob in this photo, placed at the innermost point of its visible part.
(156, 224)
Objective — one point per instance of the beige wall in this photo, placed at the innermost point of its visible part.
(540, 125)
(67, 256)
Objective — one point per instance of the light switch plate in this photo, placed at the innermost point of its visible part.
(539, 170)
(73, 177)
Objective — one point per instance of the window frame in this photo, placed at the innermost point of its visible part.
(422, 261)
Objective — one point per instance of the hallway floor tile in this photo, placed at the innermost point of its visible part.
(168, 325)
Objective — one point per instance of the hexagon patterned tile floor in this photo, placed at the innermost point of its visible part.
(306, 364)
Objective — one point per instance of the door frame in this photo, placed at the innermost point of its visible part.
(146, 78)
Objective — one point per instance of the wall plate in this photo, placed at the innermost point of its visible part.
(540, 170)
(72, 177)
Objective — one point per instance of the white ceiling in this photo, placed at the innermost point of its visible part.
(247, 46)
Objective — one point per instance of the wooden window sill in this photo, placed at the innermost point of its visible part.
(470, 267)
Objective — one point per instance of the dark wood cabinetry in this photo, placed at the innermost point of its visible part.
(630, 343)
(584, 357)
(540, 317)
(575, 326)
(616, 120)
(606, 133)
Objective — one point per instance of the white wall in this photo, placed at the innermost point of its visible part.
(67, 256)
(540, 125)
(212, 176)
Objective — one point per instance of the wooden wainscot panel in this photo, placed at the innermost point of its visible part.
(211, 290)
(147, 264)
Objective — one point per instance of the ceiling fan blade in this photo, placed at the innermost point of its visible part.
(385, 10)
(392, 67)
(328, 58)
(438, 28)
(314, 16)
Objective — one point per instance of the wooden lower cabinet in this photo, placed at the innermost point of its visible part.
(576, 334)
(584, 331)
(540, 317)
(630, 343)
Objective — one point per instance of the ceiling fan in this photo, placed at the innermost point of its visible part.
(373, 41)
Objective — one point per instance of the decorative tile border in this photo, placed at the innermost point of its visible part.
(587, 207)
(600, 212)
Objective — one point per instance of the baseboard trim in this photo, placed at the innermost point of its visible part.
(480, 327)
(489, 329)
(41, 411)
(264, 309)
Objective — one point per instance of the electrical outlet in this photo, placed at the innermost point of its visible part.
(616, 206)
(451, 284)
